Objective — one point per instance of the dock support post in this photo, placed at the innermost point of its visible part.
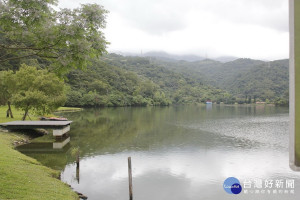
(130, 178)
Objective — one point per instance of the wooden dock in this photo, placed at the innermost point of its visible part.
(59, 127)
(35, 124)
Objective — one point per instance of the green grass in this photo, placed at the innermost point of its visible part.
(23, 177)
(69, 109)
(18, 114)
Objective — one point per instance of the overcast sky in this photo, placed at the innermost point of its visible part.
(243, 28)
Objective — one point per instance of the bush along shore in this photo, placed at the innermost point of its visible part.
(23, 177)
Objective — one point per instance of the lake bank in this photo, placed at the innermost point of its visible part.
(23, 177)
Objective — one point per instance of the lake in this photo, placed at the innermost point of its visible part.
(177, 152)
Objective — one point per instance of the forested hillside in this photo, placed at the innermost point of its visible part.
(106, 85)
(135, 81)
(246, 79)
(266, 82)
(115, 80)
(138, 81)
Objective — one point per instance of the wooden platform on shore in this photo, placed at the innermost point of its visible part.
(35, 124)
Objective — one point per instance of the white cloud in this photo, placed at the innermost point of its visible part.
(242, 28)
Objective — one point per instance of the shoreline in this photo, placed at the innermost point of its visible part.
(29, 178)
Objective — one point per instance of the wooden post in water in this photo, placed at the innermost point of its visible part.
(77, 174)
(77, 159)
(130, 178)
(76, 153)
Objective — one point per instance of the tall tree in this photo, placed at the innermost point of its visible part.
(67, 38)
(37, 90)
(7, 88)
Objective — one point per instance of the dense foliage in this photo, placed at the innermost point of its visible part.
(33, 33)
(246, 79)
(268, 82)
(59, 39)
(105, 85)
(30, 89)
(134, 81)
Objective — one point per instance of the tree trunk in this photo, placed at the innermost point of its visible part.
(25, 115)
(9, 112)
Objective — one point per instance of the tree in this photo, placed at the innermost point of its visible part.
(37, 90)
(7, 88)
(64, 39)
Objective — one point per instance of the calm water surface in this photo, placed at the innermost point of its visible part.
(178, 153)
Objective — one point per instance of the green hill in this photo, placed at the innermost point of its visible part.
(136, 81)
(116, 80)
(266, 82)
(246, 79)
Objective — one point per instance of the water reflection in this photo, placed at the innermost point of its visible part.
(174, 174)
(52, 152)
(77, 173)
(58, 144)
(208, 107)
(183, 152)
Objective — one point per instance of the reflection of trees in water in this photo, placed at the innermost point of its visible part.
(54, 159)
(113, 130)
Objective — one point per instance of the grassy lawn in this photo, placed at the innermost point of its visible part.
(18, 114)
(69, 109)
(23, 177)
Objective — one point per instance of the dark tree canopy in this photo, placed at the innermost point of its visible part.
(64, 39)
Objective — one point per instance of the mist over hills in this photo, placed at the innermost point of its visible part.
(243, 78)
(176, 57)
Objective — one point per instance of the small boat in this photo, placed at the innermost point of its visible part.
(53, 119)
(208, 102)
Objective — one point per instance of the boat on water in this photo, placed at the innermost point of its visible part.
(208, 102)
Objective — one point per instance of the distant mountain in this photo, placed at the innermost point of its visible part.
(173, 57)
(242, 77)
(180, 87)
(268, 81)
(117, 80)
(225, 59)
(166, 56)
(163, 56)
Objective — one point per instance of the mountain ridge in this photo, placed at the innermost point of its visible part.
(176, 57)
